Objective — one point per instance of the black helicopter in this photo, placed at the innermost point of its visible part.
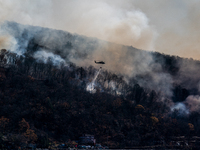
(99, 62)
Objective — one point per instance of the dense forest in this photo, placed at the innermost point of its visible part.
(46, 100)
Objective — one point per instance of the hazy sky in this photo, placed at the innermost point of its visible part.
(167, 26)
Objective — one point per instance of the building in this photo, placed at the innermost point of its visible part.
(87, 139)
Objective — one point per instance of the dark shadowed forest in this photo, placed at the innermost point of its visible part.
(46, 101)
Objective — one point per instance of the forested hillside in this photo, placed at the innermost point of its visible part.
(45, 99)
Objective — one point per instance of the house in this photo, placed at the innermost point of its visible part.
(87, 139)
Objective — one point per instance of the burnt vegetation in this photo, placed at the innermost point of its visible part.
(42, 103)
(54, 105)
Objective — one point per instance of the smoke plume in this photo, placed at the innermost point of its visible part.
(5, 42)
(166, 26)
(91, 18)
(193, 102)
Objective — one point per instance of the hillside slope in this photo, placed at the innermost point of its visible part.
(138, 97)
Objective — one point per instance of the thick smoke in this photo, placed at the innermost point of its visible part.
(99, 19)
(169, 26)
(180, 108)
(132, 22)
(193, 102)
(44, 56)
(5, 42)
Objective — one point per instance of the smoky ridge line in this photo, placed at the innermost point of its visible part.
(150, 70)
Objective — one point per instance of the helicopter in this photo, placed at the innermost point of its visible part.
(99, 62)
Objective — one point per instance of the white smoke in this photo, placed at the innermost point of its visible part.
(26, 12)
(180, 108)
(91, 87)
(193, 102)
(99, 19)
(7, 42)
(44, 57)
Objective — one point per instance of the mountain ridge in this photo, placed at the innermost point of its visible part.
(44, 92)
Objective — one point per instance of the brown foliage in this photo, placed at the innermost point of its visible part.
(30, 136)
(23, 125)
